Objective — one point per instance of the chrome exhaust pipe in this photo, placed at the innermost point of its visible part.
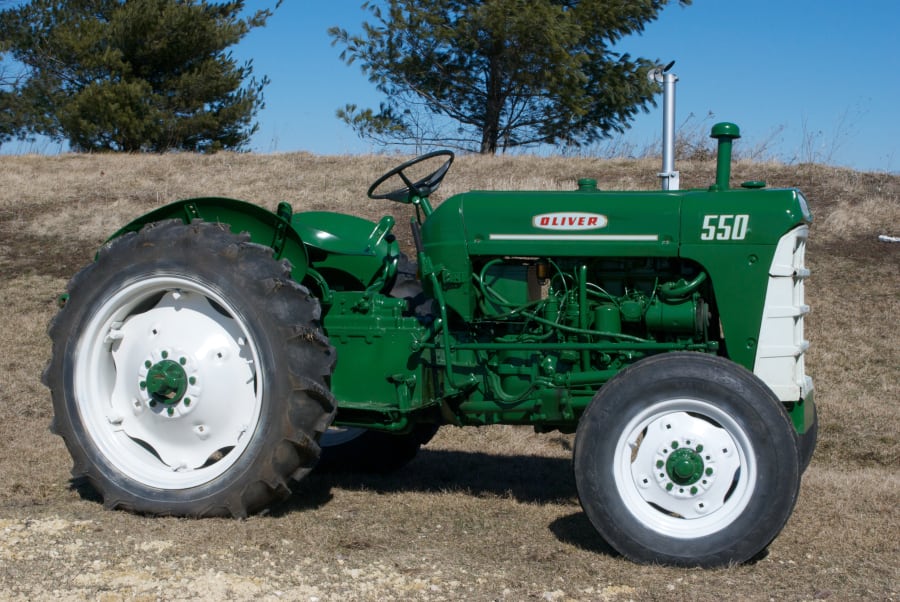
(668, 176)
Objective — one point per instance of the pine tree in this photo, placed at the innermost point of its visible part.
(132, 75)
(508, 73)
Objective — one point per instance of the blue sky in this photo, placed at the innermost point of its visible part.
(804, 79)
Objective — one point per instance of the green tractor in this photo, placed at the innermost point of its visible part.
(214, 350)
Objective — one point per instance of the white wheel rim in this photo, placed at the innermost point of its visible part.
(185, 438)
(651, 474)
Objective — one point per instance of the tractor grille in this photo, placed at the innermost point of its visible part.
(781, 347)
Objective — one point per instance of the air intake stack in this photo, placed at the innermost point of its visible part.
(724, 132)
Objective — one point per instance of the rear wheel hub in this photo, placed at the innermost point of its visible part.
(166, 382)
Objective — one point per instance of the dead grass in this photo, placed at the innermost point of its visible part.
(486, 514)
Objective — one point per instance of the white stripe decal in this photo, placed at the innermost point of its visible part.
(580, 237)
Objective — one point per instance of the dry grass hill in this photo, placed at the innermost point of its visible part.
(486, 514)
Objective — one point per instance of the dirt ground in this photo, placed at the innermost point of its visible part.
(480, 514)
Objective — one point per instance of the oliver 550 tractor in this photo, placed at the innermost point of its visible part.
(214, 349)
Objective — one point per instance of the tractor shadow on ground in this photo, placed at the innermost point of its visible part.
(85, 490)
(526, 479)
(576, 530)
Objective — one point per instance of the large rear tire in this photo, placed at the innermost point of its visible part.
(188, 373)
(687, 459)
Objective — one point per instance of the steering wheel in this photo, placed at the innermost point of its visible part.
(420, 188)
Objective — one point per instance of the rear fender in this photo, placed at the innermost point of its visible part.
(264, 227)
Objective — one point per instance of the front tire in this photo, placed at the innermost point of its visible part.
(188, 373)
(686, 459)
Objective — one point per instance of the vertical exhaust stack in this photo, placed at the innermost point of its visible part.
(668, 176)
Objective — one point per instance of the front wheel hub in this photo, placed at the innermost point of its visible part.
(685, 465)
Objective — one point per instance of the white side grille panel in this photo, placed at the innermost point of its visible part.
(779, 353)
